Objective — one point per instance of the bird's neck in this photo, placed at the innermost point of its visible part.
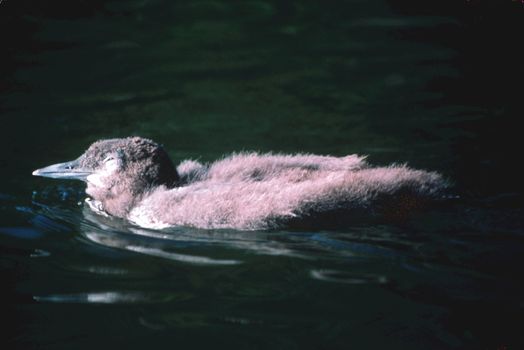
(116, 200)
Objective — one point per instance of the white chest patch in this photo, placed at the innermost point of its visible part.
(142, 217)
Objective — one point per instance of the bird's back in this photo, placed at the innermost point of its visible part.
(256, 191)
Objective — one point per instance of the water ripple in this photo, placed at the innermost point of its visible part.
(122, 243)
(110, 297)
(347, 277)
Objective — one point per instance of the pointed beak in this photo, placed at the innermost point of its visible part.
(67, 170)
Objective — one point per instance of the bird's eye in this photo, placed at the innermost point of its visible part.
(107, 159)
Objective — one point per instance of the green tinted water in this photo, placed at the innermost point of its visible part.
(206, 78)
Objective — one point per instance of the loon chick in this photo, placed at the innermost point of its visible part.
(133, 178)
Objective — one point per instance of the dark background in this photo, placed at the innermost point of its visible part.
(435, 84)
(485, 39)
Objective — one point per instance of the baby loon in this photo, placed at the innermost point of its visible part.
(133, 178)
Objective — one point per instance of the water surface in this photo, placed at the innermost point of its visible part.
(429, 85)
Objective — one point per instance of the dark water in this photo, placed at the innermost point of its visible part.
(437, 85)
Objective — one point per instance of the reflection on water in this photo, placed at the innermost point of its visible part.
(344, 277)
(428, 83)
(116, 242)
(424, 266)
(418, 246)
(99, 298)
